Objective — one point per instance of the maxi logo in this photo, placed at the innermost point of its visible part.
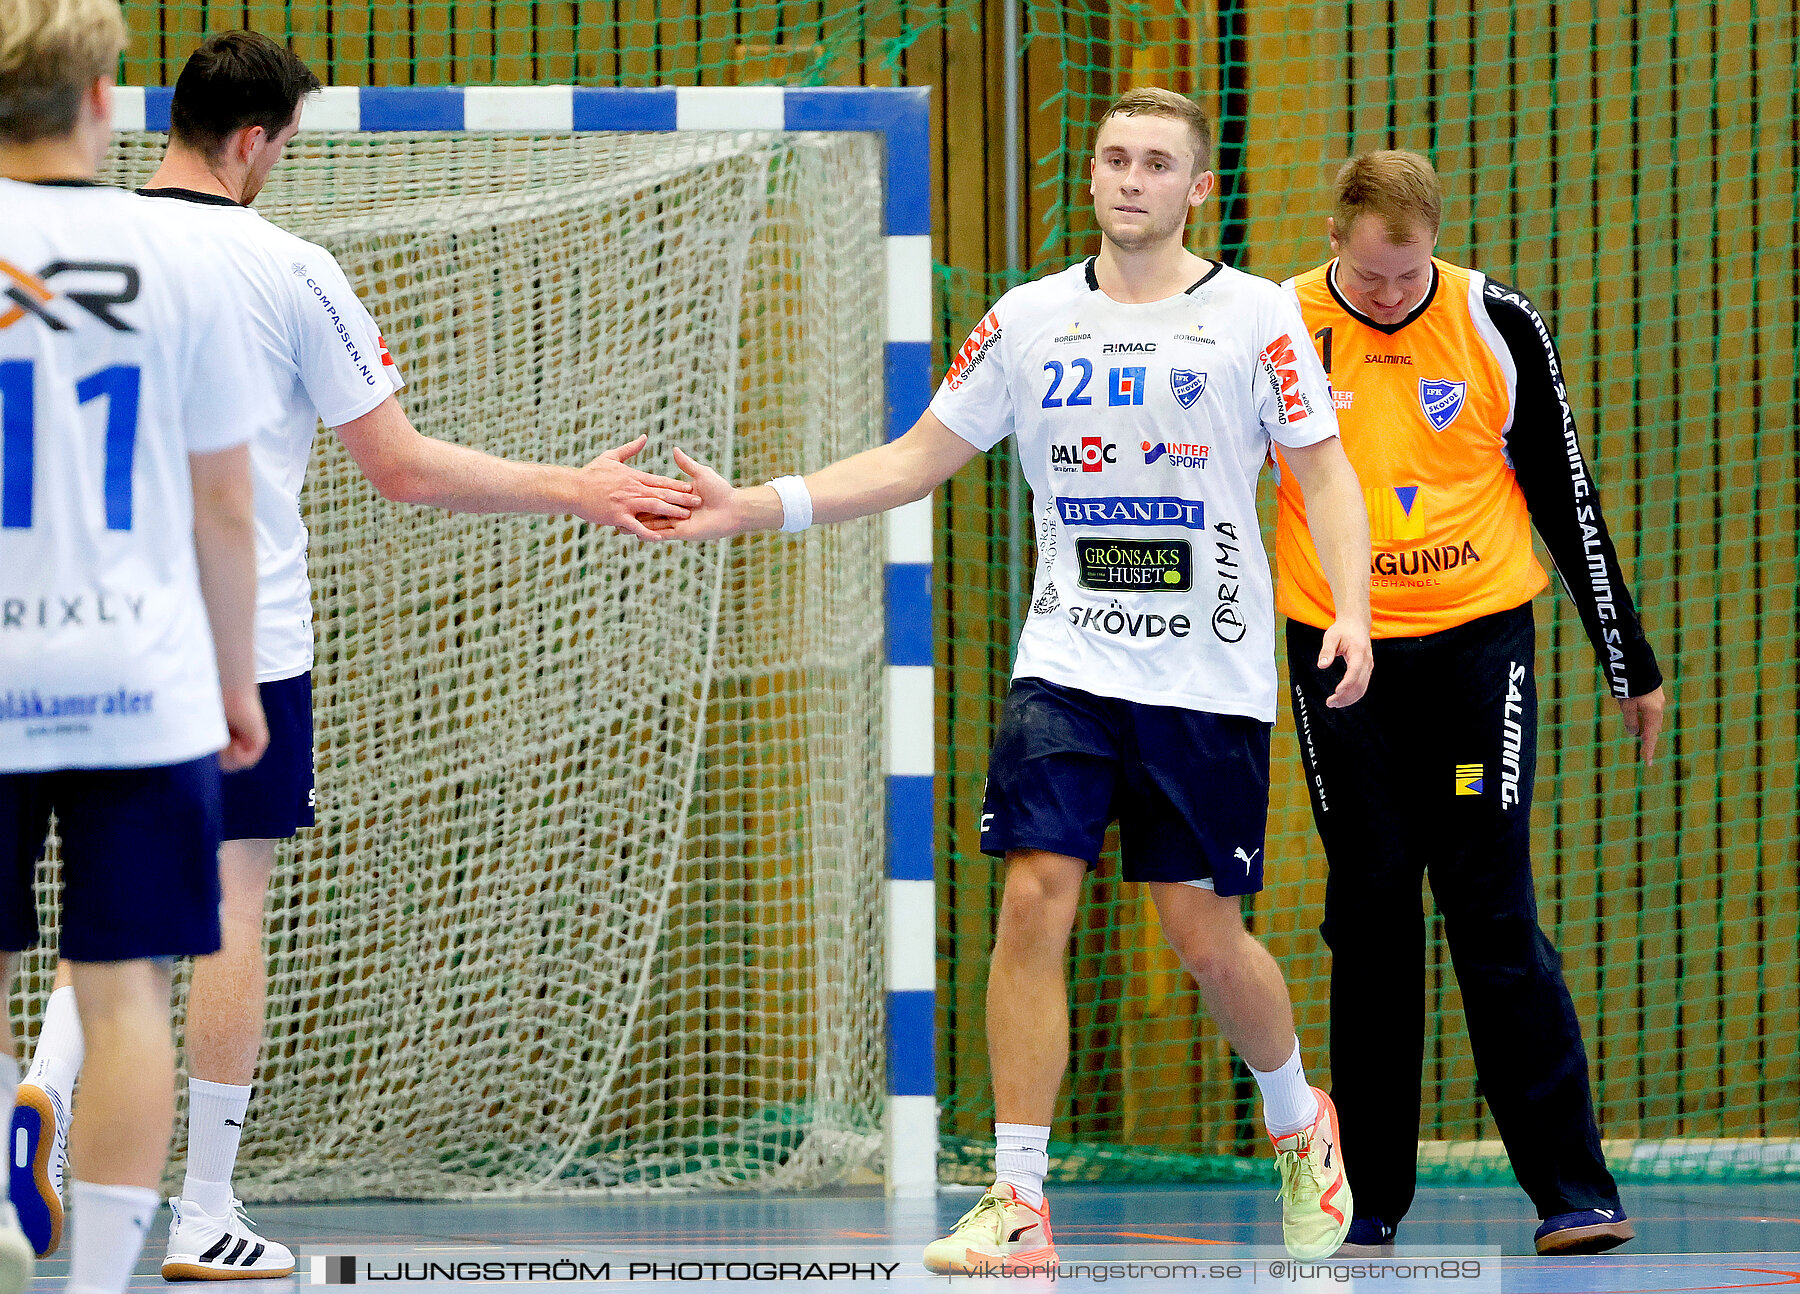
(1135, 565)
(31, 294)
(1281, 366)
(1125, 386)
(1189, 514)
(1441, 400)
(985, 337)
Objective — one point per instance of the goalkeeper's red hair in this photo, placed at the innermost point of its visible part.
(1398, 188)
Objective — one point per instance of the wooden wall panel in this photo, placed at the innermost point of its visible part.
(1733, 251)
(1773, 47)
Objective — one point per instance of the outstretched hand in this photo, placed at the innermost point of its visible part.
(613, 493)
(722, 510)
(1352, 643)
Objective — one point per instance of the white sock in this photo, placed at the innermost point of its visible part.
(1021, 1158)
(215, 1126)
(107, 1225)
(9, 1092)
(1288, 1102)
(60, 1048)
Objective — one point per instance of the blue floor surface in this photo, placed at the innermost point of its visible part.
(1142, 1238)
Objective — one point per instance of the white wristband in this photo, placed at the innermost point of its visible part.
(796, 503)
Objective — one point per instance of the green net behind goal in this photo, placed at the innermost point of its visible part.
(1633, 169)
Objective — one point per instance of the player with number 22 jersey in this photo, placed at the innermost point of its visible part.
(1142, 429)
(1146, 387)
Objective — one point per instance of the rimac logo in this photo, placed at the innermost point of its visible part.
(102, 286)
(1127, 347)
(1468, 779)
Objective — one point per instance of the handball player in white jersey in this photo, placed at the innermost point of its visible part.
(236, 106)
(1145, 386)
(127, 600)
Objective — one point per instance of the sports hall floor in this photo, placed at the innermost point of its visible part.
(1689, 1238)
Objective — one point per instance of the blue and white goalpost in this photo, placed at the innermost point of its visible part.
(899, 117)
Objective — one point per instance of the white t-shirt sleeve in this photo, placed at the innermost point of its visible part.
(225, 398)
(1293, 395)
(344, 364)
(975, 400)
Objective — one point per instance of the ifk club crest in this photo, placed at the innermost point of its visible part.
(1187, 385)
(1441, 400)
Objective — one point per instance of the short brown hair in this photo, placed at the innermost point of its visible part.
(236, 79)
(51, 51)
(1399, 187)
(1154, 101)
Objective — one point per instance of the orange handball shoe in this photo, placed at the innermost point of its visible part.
(1001, 1236)
(1315, 1194)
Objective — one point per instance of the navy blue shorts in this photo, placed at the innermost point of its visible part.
(140, 859)
(1189, 789)
(273, 798)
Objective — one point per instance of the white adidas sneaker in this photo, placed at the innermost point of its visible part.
(207, 1248)
(15, 1253)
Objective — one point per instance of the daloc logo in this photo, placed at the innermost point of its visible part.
(1187, 385)
(1441, 400)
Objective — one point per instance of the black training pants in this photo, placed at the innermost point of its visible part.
(1431, 774)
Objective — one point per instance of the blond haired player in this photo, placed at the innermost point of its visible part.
(318, 356)
(127, 596)
(1145, 386)
(1452, 407)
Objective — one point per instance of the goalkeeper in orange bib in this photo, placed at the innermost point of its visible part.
(1450, 397)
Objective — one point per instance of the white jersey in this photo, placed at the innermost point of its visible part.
(121, 353)
(324, 359)
(1142, 430)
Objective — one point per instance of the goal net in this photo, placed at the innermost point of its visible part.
(595, 898)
